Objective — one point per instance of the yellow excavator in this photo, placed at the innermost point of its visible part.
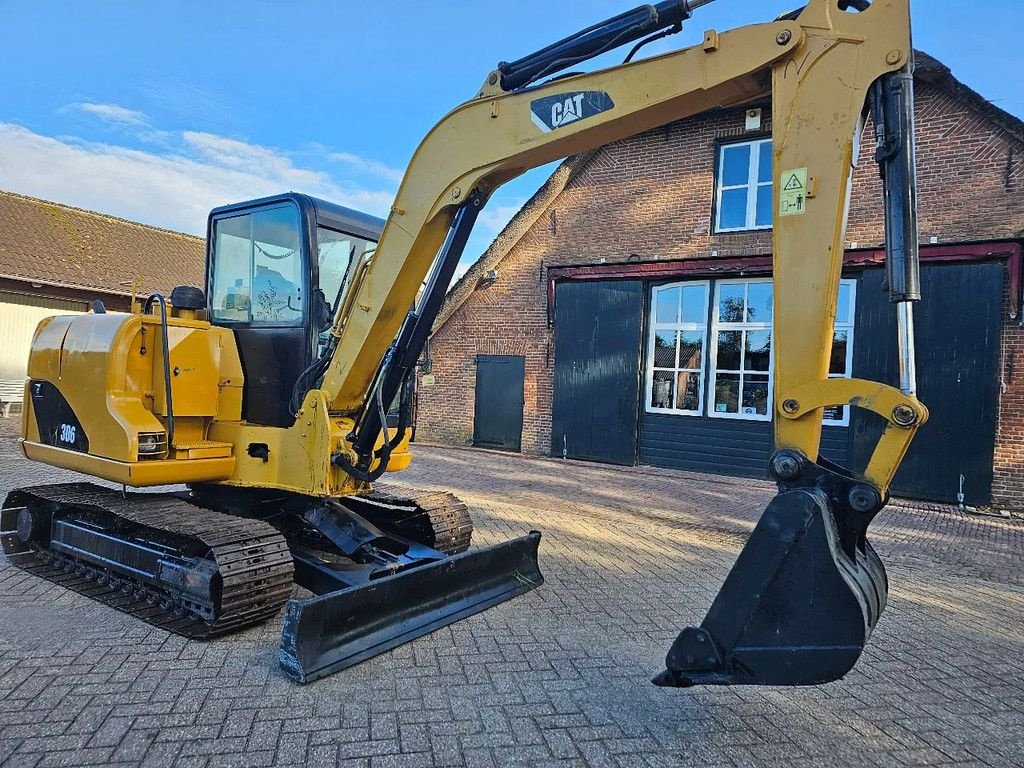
(280, 393)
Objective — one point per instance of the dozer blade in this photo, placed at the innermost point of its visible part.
(330, 632)
(801, 600)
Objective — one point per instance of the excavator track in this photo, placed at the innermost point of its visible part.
(435, 519)
(184, 569)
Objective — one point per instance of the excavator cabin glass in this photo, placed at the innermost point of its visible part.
(336, 253)
(258, 275)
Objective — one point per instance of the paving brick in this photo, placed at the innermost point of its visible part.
(75, 758)
(405, 760)
(556, 677)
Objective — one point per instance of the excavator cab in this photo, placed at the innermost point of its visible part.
(277, 270)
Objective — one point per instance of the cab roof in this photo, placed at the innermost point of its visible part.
(324, 213)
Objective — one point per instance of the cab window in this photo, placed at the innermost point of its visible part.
(335, 253)
(257, 268)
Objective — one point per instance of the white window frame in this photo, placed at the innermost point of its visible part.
(718, 326)
(653, 327)
(848, 326)
(752, 186)
(715, 326)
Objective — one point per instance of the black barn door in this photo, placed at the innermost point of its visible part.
(498, 417)
(958, 329)
(598, 327)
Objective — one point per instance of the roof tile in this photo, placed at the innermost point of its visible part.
(60, 245)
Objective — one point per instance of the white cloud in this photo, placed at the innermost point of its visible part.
(371, 167)
(173, 188)
(461, 270)
(175, 181)
(494, 217)
(113, 113)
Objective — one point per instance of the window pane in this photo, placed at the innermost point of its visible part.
(843, 305)
(758, 353)
(690, 348)
(277, 266)
(834, 413)
(666, 305)
(764, 162)
(733, 214)
(729, 350)
(661, 389)
(755, 395)
(727, 389)
(688, 389)
(231, 264)
(763, 217)
(730, 303)
(335, 252)
(759, 303)
(694, 310)
(735, 165)
(665, 349)
(838, 362)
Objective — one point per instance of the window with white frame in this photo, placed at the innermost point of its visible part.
(741, 350)
(841, 361)
(734, 379)
(675, 354)
(743, 192)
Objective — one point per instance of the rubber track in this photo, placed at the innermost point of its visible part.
(435, 518)
(252, 558)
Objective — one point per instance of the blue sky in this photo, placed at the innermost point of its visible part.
(159, 111)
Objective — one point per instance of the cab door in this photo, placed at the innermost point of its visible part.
(259, 287)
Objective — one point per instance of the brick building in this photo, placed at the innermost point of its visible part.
(56, 259)
(607, 320)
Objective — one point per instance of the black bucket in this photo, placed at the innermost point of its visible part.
(796, 609)
(328, 633)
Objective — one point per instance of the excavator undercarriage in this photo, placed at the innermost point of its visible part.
(187, 570)
(204, 563)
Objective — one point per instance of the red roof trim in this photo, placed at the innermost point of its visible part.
(1012, 251)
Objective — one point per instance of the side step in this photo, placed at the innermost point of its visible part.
(328, 633)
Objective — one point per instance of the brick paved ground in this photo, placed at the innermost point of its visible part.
(11, 426)
(558, 677)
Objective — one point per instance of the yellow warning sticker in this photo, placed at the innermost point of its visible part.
(793, 194)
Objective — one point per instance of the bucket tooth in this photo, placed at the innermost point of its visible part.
(330, 632)
(800, 602)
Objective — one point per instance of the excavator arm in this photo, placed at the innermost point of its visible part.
(807, 589)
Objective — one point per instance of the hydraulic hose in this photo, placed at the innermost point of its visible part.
(600, 38)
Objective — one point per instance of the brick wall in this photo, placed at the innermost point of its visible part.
(651, 196)
(1008, 464)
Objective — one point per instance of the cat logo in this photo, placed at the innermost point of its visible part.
(553, 112)
(571, 110)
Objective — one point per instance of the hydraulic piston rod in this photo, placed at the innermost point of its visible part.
(905, 345)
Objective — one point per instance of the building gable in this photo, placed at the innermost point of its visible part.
(640, 214)
(650, 197)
